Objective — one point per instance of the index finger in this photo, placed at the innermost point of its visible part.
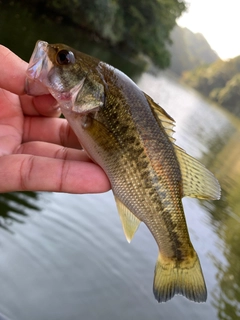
(13, 75)
(13, 70)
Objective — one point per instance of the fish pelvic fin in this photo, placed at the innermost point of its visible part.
(130, 222)
(179, 277)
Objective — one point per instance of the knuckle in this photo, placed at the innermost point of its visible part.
(26, 172)
(64, 133)
(61, 153)
(63, 176)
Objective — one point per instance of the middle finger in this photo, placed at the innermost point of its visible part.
(52, 130)
(44, 105)
(48, 150)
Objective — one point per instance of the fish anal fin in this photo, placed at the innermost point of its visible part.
(163, 118)
(179, 277)
(198, 181)
(129, 221)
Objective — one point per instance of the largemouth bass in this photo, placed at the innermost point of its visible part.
(126, 133)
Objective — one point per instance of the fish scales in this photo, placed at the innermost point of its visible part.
(149, 149)
(130, 137)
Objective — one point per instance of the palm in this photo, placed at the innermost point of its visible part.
(38, 150)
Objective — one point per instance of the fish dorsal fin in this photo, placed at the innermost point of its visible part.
(166, 121)
(129, 221)
(198, 181)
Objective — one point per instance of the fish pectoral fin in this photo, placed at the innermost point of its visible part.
(130, 222)
(90, 96)
(198, 181)
(163, 119)
(179, 277)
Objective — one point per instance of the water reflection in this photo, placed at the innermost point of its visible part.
(215, 142)
(13, 206)
(226, 221)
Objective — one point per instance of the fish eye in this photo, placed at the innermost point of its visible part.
(65, 57)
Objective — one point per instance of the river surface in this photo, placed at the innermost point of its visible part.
(65, 257)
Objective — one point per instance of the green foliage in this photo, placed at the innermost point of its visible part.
(189, 50)
(219, 81)
(229, 96)
(147, 26)
(133, 26)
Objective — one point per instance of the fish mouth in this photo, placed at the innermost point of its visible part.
(39, 66)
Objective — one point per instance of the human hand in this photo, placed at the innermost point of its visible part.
(38, 150)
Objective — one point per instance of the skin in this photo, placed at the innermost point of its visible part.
(38, 150)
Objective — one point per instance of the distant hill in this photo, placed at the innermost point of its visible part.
(219, 81)
(189, 50)
(200, 67)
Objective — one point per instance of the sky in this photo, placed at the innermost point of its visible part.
(218, 21)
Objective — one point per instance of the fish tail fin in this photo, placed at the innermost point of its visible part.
(179, 277)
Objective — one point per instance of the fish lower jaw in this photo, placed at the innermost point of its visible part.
(35, 88)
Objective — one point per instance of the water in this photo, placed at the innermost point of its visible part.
(65, 256)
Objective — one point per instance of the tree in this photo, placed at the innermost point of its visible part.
(133, 26)
(147, 26)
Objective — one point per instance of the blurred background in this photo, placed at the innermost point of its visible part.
(64, 256)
